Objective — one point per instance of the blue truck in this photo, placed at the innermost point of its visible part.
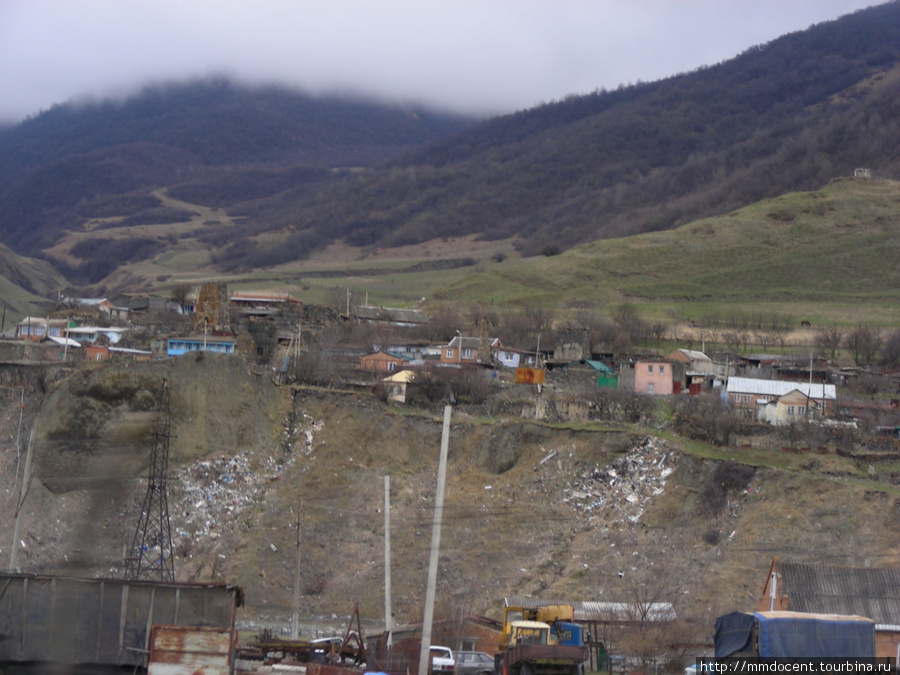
(785, 634)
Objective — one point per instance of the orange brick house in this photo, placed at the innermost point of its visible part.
(382, 362)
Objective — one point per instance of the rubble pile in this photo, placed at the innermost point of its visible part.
(211, 492)
(624, 489)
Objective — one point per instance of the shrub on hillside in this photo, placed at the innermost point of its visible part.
(450, 385)
(729, 478)
(707, 417)
(618, 405)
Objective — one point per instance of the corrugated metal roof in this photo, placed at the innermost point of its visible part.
(391, 314)
(602, 611)
(694, 355)
(749, 385)
(600, 366)
(867, 591)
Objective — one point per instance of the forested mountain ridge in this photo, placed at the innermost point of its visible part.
(289, 177)
(75, 162)
(789, 115)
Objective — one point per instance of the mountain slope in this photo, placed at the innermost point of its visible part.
(838, 244)
(785, 116)
(290, 176)
(25, 285)
(72, 163)
(571, 509)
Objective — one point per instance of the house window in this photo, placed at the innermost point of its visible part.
(449, 353)
(468, 353)
(790, 411)
(650, 387)
(391, 365)
(649, 369)
(801, 410)
(662, 369)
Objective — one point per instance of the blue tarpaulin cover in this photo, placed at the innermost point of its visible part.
(795, 634)
(733, 634)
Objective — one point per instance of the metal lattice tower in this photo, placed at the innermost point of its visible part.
(151, 556)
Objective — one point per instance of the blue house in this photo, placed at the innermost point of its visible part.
(183, 345)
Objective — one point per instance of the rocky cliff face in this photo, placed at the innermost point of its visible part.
(567, 511)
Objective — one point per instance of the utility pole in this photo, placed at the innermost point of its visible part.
(20, 503)
(295, 623)
(424, 653)
(388, 612)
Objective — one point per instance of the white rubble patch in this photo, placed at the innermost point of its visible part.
(207, 495)
(624, 489)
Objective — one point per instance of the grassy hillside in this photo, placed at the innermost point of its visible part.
(825, 256)
(26, 285)
(830, 250)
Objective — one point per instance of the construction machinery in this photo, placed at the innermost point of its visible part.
(540, 641)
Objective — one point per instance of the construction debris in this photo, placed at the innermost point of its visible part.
(624, 489)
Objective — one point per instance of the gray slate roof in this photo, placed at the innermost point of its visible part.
(866, 591)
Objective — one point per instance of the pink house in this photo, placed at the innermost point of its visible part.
(653, 377)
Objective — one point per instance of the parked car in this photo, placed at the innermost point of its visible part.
(442, 661)
(474, 663)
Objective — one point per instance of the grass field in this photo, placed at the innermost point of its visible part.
(828, 257)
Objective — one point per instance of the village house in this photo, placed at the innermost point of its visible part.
(181, 345)
(398, 384)
(102, 305)
(414, 350)
(779, 401)
(466, 351)
(101, 353)
(872, 592)
(785, 367)
(36, 328)
(391, 316)
(653, 377)
(693, 370)
(93, 334)
(383, 361)
(511, 358)
(263, 303)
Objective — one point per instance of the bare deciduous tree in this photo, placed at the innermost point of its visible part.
(863, 343)
(828, 340)
(707, 417)
(890, 354)
(646, 625)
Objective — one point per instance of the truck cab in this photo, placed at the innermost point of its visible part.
(529, 633)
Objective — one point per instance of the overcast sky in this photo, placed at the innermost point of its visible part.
(473, 56)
